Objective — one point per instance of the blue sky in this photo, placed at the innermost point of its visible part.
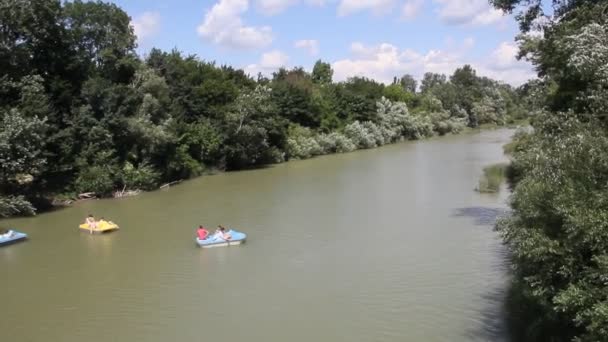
(374, 38)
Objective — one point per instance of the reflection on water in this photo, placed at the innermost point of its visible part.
(365, 246)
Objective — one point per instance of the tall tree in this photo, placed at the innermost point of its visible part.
(322, 73)
(408, 83)
(103, 38)
(431, 80)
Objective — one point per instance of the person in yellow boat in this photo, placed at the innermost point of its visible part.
(90, 220)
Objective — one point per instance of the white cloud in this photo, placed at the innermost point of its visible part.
(384, 61)
(469, 42)
(146, 25)
(411, 8)
(274, 7)
(310, 45)
(223, 26)
(504, 56)
(269, 62)
(468, 12)
(502, 64)
(346, 7)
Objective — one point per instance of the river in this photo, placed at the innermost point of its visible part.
(390, 244)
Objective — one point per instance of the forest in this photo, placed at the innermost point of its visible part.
(82, 112)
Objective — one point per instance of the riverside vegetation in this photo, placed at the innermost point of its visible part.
(81, 112)
(493, 176)
(557, 231)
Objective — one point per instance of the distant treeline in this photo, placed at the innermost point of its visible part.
(81, 112)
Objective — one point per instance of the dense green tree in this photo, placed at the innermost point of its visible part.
(431, 80)
(408, 83)
(395, 92)
(557, 229)
(21, 159)
(322, 73)
(102, 38)
(292, 93)
(256, 134)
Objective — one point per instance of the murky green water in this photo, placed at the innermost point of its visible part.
(379, 245)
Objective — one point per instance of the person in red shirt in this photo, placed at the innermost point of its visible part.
(202, 233)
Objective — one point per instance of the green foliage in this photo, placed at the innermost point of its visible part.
(95, 178)
(302, 143)
(254, 131)
(292, 93)
(431, 80)
(336, 143)
(21, 146)
(82, 112)
(15, 205)
(142, 177)
(102, 36)
(322, 73)
(557, 231)
(396, 92)
(360, 135)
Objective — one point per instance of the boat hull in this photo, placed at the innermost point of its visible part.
(238, 238)
(17, 237)
(105, 227)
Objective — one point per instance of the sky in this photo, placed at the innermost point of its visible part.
(378, 39)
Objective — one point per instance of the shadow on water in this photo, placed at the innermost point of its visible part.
(483, 216)
(491, 323)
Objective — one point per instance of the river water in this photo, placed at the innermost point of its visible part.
(390, 244)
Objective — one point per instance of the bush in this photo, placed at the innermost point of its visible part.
(376, 132)
(335, 143)
(360, 136)
(143, 177)
(181, 164)
(273, 156)
(558, 230)
(97, 179)
(301, 143)
(15, 205)
(417, 127)
(443, 123)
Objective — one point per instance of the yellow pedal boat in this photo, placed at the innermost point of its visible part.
(101, 227)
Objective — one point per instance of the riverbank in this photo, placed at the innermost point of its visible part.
(69, 199)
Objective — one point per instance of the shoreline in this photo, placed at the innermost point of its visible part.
(57, 203)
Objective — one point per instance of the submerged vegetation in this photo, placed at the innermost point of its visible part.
(80, 112)
(557, 231)
(493, 176)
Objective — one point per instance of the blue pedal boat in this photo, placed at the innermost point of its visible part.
(13, 237)
(211, 241)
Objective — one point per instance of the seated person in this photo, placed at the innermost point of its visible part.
(221, 233)
(202, 233)
(90, 220)
(5, 234)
